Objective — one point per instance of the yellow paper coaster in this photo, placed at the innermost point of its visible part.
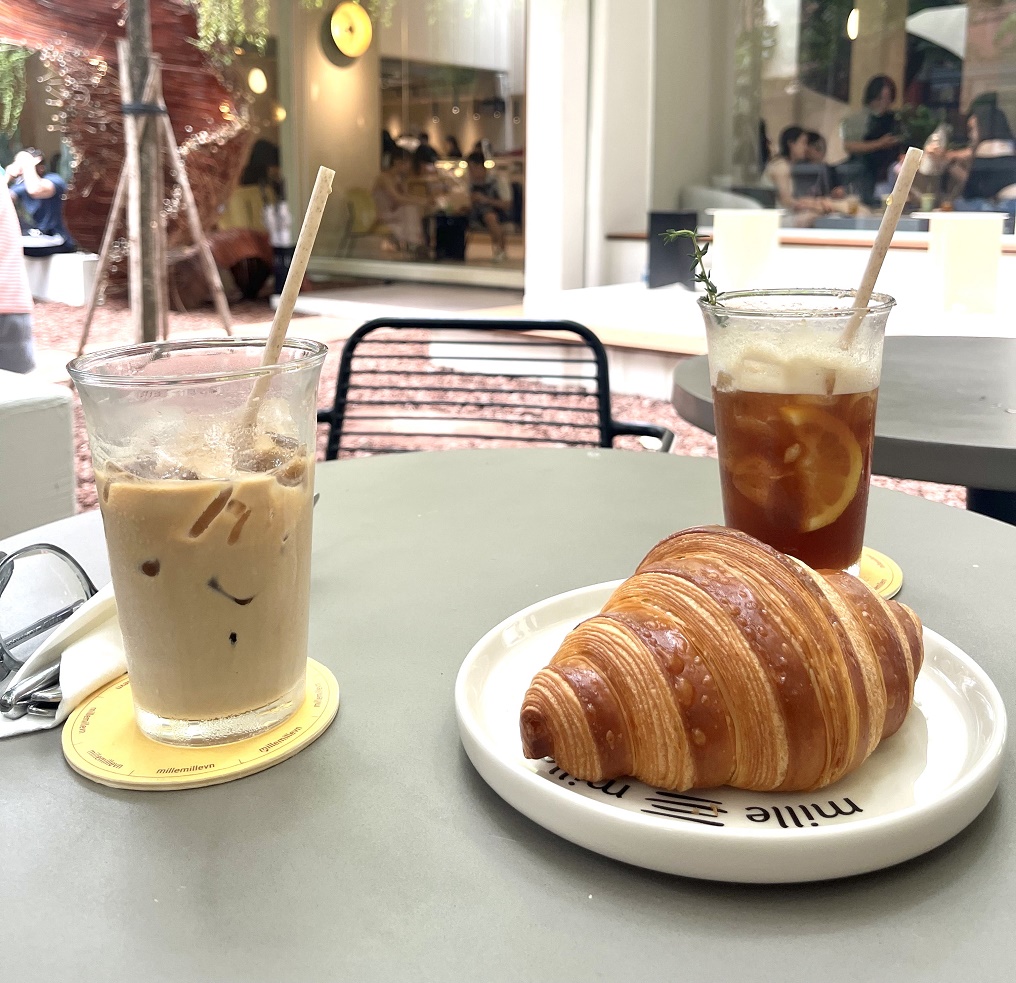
(880, 573)
(102, 742)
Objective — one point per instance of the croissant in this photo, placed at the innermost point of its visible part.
(724, 662)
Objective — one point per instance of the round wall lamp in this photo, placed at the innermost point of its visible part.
(257, 81)
(853, 24)
(346, 33)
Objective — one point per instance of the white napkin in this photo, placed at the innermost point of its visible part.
(90, 649)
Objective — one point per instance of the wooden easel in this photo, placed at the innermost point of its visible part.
(132, 134)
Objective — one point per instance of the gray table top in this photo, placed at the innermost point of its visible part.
(946, 409)
(378, 853)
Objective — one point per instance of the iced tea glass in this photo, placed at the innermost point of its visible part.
(794, 408)
(207, 511)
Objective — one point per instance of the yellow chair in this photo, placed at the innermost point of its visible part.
(363, 219)
(244, 209)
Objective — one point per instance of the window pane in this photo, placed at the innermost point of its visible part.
(845, 86)
(397, 123)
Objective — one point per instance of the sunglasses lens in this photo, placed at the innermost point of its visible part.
(37, 592)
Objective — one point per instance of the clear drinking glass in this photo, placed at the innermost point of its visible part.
(794, 409)
(207, 510)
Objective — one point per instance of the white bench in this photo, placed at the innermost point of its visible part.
(36, 453)
(66, 278)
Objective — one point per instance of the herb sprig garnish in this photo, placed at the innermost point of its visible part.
(699, 267)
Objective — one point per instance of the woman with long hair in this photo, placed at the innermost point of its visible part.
(397, 207)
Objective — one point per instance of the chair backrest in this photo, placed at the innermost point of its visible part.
(362, 210)
(409, 384)
(244, 209)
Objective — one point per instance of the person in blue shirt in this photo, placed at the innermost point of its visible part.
(38, 196)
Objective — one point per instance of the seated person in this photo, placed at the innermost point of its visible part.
(258, 201)
(827, 182)
(424, 181)
(424, 150)
(779, 174)
(950, 167)
(38, 196)
(488, 207)
(990, 183)
(397, 206)
(989, 175)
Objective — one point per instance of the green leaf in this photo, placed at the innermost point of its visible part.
(701, 276)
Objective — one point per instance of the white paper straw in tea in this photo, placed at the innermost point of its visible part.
(297, 269)
(886, 228)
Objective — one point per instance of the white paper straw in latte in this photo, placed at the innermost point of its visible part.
(893, 210)
(287, 301)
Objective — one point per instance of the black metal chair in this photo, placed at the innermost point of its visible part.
(408, 384)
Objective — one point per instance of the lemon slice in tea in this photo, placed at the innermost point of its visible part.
(828, 465)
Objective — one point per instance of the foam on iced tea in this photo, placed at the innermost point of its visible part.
(794, 436)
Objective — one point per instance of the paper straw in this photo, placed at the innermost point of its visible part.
(886, 229)
(287, 301)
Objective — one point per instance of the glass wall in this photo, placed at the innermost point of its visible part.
(425, 130)
(830, 93)
(459, 132)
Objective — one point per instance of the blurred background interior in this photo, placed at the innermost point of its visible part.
(582, 116)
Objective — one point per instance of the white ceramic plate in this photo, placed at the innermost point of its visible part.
(920, 787)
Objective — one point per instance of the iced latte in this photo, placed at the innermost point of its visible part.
(208, 526)
(795, 418)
